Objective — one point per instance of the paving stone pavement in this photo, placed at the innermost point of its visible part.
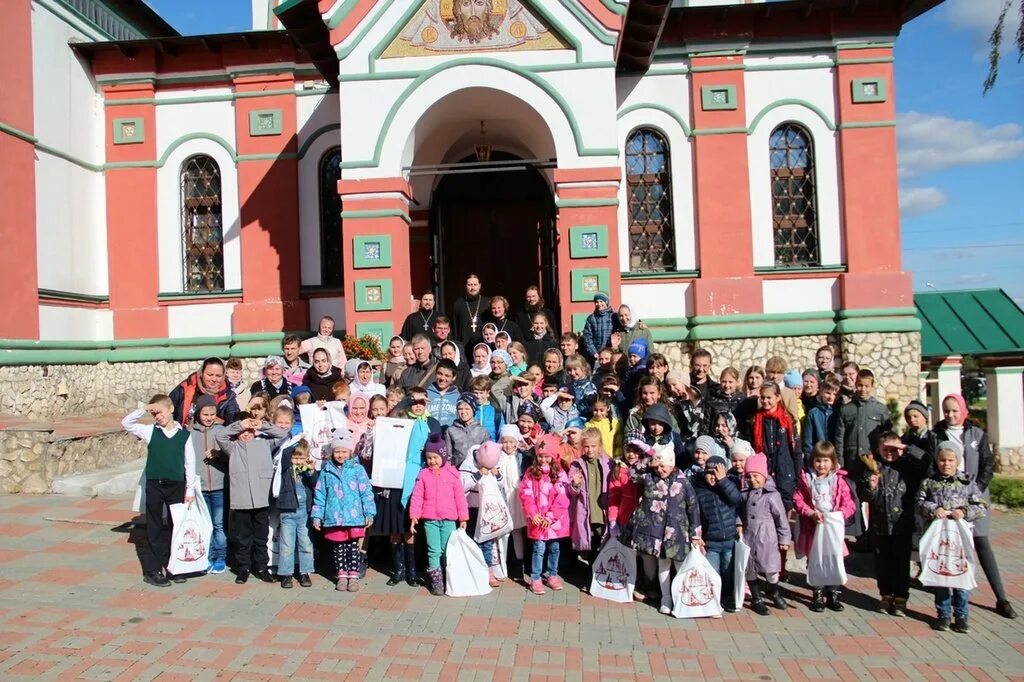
(73, 606)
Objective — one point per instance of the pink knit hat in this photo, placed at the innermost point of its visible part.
(757, 464)
(487, 455)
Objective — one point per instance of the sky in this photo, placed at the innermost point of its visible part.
(961, 153)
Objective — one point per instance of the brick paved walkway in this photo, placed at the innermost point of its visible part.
(72, 605)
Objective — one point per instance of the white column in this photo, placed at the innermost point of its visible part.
(925, 382)
(948, 373)
(1005, 406)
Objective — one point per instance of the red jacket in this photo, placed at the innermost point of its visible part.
(623, 496)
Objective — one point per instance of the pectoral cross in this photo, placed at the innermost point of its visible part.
(473, 325)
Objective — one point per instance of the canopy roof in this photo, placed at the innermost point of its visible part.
(977, 322)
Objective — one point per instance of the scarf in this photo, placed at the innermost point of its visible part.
(780, 415)
(194, 386)
(414, 454)
(357, 428)
(633, 320)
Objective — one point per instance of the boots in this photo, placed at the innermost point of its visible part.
(776, 596)
(398, 563)
(886, 602)
(411, 578)
(818, 601)
(436, 579)
(835, 596)
(898, 608)
(756, 600)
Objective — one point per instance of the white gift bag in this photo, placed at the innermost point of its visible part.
(467, 571)
(190, 540)
(319, 425)
(825, 567)
(614, 572)
(947, 555)
(741, 556)
(139, 503)
(696, 589)
(274, 536)
(390, 451)
(494, 519)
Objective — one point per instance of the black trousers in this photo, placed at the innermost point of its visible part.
(250, 528)
(160, 495)
(892, 565)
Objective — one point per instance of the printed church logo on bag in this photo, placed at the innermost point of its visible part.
(696, 589)
(611, 572)
(949, 559)
(493, 516)
(191, 547)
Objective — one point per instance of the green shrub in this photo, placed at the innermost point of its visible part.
(1007, 491)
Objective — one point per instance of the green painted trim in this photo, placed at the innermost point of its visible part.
(815, 270)
(198, 99)
(671, 274)
(744, 318)
(665, 334)
(315, 135)
(265, 157)
(194, 136)
(876, 312)
(614, 7)
(359, 258)
(867, 124)
(717, 67)
(585, 203)
(361, 294)
(382, 331)
(707, 98)
(857, 86)
(786, 102)
(807, 66)
(136, 125)
(409, 74)
(338, 15)
(264, 122)
(657, 107)
(20, 134)
(343, 51)
(581, 148)
(864, 45)
(865, 60)
(87, 27)
(577, 249)
(53, 151)
(73, 296)
(878, 324)
(720, 131)
(678, 71)
(667, 321)
(581, 292)
(579, 320)
(584, 17)
(196, 295)
(378, 213)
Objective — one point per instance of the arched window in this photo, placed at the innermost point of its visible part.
(649, 187)
(330, 219)
(202, 230)
(794, 209)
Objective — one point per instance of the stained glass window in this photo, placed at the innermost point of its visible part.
(202, 229)
(794, 208)
(649, 188)
(331, 265)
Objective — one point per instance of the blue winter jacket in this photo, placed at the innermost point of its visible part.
(442, 406)
(597, 330)
(343, 495)
(718, 508)
(820, 424)
(490, 419)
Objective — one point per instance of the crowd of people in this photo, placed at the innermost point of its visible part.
(587, 436)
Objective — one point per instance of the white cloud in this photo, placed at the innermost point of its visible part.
(915, 201)
(978, 17)
(929, 143)
(980, 278)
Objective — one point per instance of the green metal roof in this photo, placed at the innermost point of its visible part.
(977, 322)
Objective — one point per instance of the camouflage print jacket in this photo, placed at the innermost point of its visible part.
(950, 493)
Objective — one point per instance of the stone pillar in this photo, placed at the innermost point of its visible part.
(948, 373)
(1006, 415)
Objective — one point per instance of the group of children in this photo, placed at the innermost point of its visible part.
(624, 446)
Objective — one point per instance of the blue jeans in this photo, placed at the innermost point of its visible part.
(947, 599)
(719, 555)
(540, 547)
(292, 533)
(219, 542)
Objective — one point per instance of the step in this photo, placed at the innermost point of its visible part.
(103, 483)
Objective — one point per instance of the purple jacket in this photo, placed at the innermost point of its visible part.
(579, 502)
(765, 527)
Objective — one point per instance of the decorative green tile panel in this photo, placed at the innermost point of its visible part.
(718, 97)
(578, 320)
(588, 241)
(383, 331)
(371, 251)
(265, 122)
(373, 294)
(129, 130)
(869, 90)
(588, 281)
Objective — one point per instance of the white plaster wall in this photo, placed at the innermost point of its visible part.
(174, 122)
(671, 92)
(58, 323)
(70, 200)
(313, 114)
(335, 307)
(653, 301)
(199, 320)
(816, 87)
(800, 295)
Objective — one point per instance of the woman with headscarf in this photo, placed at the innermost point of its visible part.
(630, 329)
(451, 351)
(481, 366)
(209, 380)
(359, 375)
(358, 416)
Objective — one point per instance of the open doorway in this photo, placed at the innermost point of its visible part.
(498, 224)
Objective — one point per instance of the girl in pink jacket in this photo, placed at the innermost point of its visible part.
(820, 490)
(546, 508)
(438, 499)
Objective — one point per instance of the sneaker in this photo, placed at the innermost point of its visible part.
(732, 609)
(664, 610)
(354, 585)
(156, 578)
(537, 587)
(305, 581)
(960, 626)
(265, 576)
(217, 567)
(555, 583)
(286, 582)
(885, 604)
(818, 602)
(242, 577)
(899, 608)
(1005, 609)
(941, 624)
(179, 579)
(342, 585)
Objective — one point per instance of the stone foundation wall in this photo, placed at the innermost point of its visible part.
(48, 391)
(895, 358)
(30, 460)
(1009, 461)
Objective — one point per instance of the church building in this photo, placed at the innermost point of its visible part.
(726, 168)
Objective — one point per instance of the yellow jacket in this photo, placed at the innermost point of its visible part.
(611, 435)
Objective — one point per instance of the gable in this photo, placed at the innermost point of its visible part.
(442, 27)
